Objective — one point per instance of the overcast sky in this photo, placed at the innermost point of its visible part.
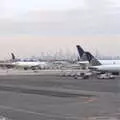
(28, 27)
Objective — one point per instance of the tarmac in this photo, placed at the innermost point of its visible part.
(46, 95)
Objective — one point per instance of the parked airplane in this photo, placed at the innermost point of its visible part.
(105, 68)
(96, 65)
(84, 60)
(30, 65)
(17, 63)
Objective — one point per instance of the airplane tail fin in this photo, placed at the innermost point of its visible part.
(81, 53)
(13, 56)
(92, 60)
(87, 56)
(80, 50)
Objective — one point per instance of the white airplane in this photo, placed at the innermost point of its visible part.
(83, 58)
(96, 65)
(30, 65)
(17, 63)
(104, 68)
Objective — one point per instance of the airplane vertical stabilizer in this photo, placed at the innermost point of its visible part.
(81, 53)
(13, 56)
(93, 61)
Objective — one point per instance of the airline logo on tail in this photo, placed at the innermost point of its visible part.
(81, 53)
(92, 60)
(87, 56)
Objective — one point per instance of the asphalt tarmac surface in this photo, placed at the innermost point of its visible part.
(53, 97)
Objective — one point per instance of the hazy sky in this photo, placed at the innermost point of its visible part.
(28, 27)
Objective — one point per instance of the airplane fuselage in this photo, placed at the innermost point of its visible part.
(30, 64)
(106, 68)
(103, 62)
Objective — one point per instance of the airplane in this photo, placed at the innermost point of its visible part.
(103, 68)
(96, 65)
(30, 65)
(17, 63)
(84, 60)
